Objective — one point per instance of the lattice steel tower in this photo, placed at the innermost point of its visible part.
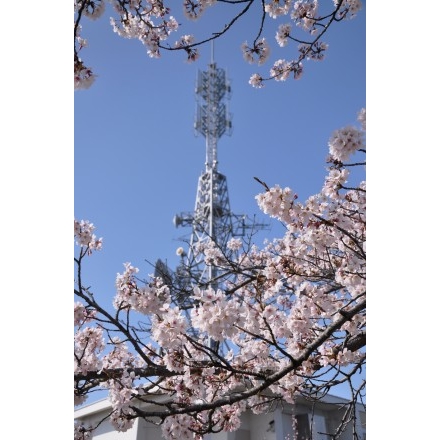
(212, 218)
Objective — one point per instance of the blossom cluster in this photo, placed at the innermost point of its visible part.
(81, 314)
(277, 202)
(89, 344)
(91, 9)
(290, 313)
(348, 8)
(120, 389)
(283, 33)
(345, 142)
(217, 315)
(194, 9)
(83, 76)
(185, 43)
(84, 236)
(150, 22)
(81, 432)
(144, 299)
(257, 53)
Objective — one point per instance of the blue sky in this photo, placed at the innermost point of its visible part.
(137, 160)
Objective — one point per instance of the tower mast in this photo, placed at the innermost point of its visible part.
(212, 219)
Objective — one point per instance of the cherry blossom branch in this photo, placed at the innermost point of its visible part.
(284, 320)
(243, 395)
(151, 23)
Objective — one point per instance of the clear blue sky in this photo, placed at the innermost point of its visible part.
(137, 160)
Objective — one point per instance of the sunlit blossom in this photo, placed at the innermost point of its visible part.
(280, 305)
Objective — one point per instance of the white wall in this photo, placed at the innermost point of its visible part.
(276, 425)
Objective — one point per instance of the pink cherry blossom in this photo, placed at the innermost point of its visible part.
(274, 321)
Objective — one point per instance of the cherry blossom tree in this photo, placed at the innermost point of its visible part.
(287, 319)
(152, 23)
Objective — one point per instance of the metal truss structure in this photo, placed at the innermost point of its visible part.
(212, 219)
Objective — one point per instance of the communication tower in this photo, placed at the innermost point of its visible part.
(212, 218)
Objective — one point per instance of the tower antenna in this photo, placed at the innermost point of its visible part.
(212, 219)
(212, 51)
